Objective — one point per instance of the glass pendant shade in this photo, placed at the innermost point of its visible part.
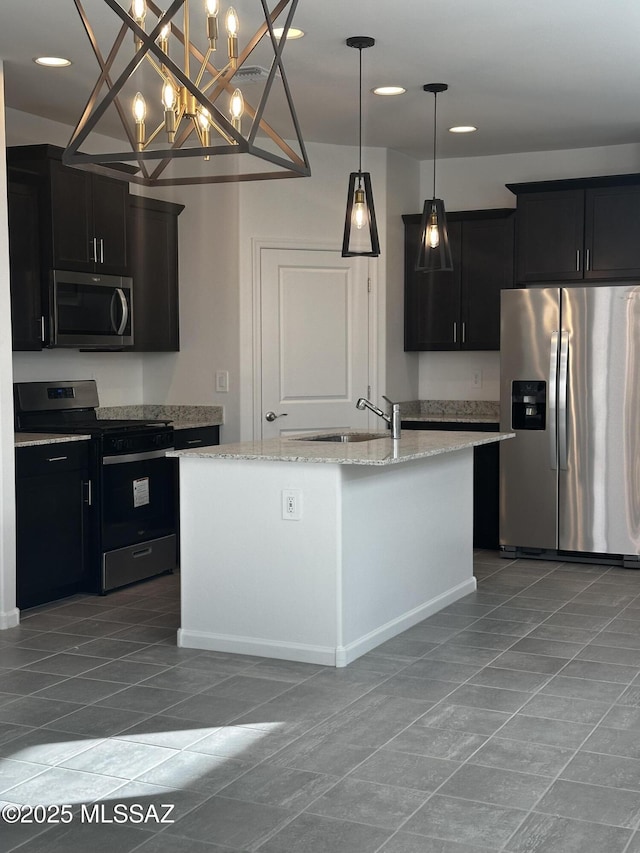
(360, 230)
(434, 251)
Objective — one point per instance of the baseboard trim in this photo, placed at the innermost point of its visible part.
(324, 655)
(9, 619)
(352, 651)
(280, 650)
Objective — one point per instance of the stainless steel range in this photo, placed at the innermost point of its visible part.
(133, 523)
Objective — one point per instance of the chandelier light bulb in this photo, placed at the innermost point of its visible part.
(139, 108)
(139, 11)
(163, 38)
(168, 95)
(204, 117)
(236, 108)
(139, 113)
(211, 8)
(231, 22)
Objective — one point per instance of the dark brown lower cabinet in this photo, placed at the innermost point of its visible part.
(52, 521)
(486, 479)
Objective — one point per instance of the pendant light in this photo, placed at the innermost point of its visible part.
(434, 252)
(360, 230)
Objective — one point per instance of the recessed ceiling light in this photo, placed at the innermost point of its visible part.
(389, 90)
(463, 128)
(52, 61)
(294, 33)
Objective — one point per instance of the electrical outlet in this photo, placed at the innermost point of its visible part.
(222, 381)
(476, 381)
(291, 504)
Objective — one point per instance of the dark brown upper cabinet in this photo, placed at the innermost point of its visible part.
(578, 230)
(460, 310)
(83, 217)
(27, 320)
(153, 238)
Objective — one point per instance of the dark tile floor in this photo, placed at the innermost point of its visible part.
(510, 721)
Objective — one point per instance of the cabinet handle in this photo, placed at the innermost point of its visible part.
(455, 332)
(94, 250)
(57, 458)
(144, 553)
(89, 493)
(101, 250)
(464, 332)
(577, 260)
(587, 265)
(42, 328)
(195, 441)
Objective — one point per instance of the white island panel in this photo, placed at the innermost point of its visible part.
(407, 546)
(251, 581)
(377, 550)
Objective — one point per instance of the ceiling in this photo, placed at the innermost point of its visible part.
(532, 75)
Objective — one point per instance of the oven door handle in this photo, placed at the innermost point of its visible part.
(119, 330)
(135, 457)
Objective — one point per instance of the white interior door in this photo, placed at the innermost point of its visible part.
(314, 340)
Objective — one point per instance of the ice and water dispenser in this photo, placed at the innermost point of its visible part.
(528, 404)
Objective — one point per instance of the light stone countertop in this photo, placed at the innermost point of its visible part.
(32, 439)
(413, 444)
(454, 419)
(181, 417)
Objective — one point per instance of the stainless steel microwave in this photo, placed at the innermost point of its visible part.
(91, 311)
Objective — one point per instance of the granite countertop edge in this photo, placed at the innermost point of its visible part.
(412, 446)
(34, 439)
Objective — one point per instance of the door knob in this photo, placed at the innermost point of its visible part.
(271, 416)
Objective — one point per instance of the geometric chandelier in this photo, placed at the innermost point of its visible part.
(176, 83)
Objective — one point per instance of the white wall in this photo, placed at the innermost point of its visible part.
(8, 612)
(209, 306)
(474, 183)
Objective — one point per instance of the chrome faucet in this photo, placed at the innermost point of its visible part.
(393, 420)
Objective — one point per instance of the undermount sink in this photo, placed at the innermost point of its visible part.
(342, 437)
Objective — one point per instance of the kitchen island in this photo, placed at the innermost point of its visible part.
(319, 551)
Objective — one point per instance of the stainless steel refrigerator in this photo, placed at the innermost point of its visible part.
(570, 390)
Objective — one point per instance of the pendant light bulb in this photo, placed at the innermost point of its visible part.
(360, 217)
(433, 232)
(211, 7)
(204, 119)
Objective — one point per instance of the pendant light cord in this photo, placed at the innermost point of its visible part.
(435, 114)
(360, 119)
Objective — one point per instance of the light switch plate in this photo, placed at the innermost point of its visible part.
(222, 381)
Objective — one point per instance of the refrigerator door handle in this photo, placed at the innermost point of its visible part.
(553, 373)
(562, 400)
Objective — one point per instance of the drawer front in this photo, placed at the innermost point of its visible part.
(50, 458)
(187, 439)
